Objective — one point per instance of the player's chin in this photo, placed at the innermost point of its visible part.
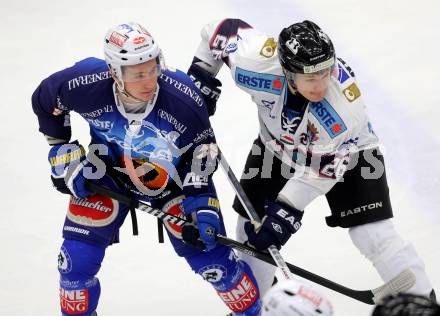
(316, 97)
(145, 96)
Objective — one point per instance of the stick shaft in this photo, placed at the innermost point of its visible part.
(253, 215)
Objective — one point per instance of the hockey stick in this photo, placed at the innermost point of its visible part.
(402, 282)
(251, 212)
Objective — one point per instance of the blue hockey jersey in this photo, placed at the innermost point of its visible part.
(173, 140)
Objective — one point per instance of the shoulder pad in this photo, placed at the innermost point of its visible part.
(180, 85)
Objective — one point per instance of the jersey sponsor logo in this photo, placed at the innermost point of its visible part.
(64, 261)
(241, 296)
(258, 81)
(363, 208)
(172, 120)
(74, 302)
(96, 210)
(204, 135)
(104, 125)
(183, 88)
(352, 92)
(213, 273)
(98, 112)
(87, 79)
(269, 48)
(329, 119)
(117, 39)
(343, 74)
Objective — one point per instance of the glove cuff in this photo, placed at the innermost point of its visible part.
(201, 202)
(62, 156)
(288, 208)
(201, 74)
(288, 215)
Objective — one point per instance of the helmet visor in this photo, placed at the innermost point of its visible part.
(138, 74)
(311, 79)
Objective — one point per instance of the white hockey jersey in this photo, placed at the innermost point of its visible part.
(318, 143)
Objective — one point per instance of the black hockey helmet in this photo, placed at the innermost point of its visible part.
(404, 304)
(305, 48)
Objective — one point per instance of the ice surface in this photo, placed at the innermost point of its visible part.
(391, 45)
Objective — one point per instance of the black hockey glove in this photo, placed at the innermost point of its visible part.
(280, 222)
(207, 84)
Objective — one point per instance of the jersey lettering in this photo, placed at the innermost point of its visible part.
(258, 81)
(327, 116)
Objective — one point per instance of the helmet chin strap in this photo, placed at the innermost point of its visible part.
(292, 88)
(121, 89)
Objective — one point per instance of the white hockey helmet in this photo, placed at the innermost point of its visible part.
(129, 44)
(294, 298)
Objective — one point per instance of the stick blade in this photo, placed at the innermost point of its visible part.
(402, 282)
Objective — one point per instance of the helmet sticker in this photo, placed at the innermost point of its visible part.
(117, 39)
(293, 45)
